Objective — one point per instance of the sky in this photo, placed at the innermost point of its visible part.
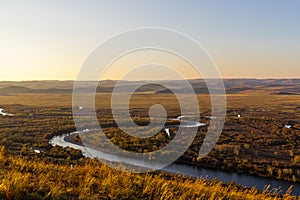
(51, 39)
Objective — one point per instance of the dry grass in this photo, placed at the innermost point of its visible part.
(35, 179)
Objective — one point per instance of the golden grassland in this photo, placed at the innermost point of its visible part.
(245, 100)
(43, 115)
(36, 179)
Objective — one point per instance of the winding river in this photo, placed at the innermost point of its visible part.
(189, 170)
(5, 113)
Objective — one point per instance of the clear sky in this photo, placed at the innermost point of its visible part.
(50, 39)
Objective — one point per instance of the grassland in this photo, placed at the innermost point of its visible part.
(256, 143)
(34, 178)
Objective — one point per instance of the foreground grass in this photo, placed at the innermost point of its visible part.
(36, 179)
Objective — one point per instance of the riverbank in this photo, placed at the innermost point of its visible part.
(190, 169)
(90, 179)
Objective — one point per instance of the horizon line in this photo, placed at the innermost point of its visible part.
(234, 78)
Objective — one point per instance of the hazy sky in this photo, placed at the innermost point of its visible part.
(50, 39)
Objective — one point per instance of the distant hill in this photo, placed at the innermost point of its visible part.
(197, 90)
(235, 90)
(287, 93)
(24, 90)
(232, 86)
(14, 89)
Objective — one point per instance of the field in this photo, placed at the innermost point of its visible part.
(254, 141)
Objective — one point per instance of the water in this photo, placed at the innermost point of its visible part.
(240, 179)
(4, 113)
(194, 171)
